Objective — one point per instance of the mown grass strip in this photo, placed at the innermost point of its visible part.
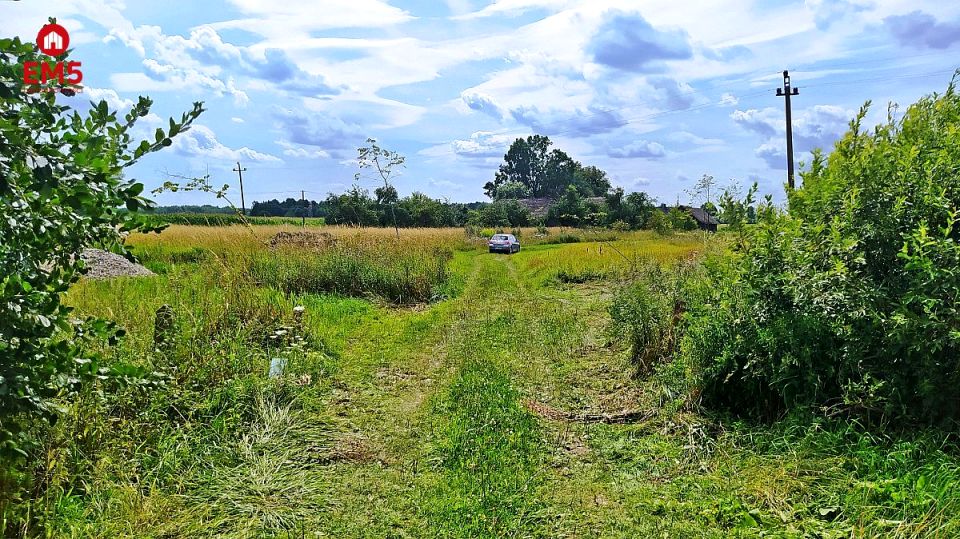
(489, 450)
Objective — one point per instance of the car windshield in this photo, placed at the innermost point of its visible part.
(500, 237)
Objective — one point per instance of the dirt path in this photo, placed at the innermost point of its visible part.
(433, 413)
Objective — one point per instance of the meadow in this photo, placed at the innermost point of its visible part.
(427, 388)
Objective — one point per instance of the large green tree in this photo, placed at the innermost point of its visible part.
(543, 172)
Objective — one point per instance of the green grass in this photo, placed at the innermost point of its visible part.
(400, 277)
(400, 420)
(227, 219)
(489, 452)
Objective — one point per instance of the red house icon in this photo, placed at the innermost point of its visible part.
(53, 39)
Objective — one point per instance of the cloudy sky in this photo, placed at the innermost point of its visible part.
(656, 92)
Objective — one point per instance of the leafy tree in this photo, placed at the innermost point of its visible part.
(736, 212)
(681, 220)
(385, 163)
(634, 209)
(659, 223)
(427, 212)
(511, 189)
(570, 210)
(291, 207)
(702, 190)
(710, 208)
(561, 171)
(543, 172)
(386, 195)
(502, 213)
(525, 162)
(355, 207)
(61, 189)
(591, 181)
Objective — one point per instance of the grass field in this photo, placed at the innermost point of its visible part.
(431, 389)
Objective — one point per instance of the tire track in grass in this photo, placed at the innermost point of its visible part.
(488, 449)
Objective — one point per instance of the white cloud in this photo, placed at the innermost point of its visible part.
(814, 127)
(201, 141)
(113, 99)
(690, 138)
(300, 17)
(639, 149)
(515, 7)
(729, 99)
(294, 150)
(237, 120)
(483, 144)
(447, 184)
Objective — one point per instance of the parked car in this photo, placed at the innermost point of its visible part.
(504, 243)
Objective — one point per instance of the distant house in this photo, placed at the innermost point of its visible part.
(704, 220)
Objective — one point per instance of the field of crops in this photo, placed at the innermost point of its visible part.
(422, 387)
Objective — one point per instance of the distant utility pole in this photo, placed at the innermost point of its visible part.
(243, 204)
(786, 92)
(303, 209)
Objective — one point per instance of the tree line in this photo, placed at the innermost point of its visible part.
(359, 207)
(577, 195)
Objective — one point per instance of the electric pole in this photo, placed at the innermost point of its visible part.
(243, 204)
(786, 92)
(303, 210)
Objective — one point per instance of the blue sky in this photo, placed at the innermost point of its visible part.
(655, 92)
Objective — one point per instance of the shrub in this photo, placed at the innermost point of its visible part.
(659, 223)
(561, 238)
(850, 300)
(61, 189)
(502, 213)
(579, 277)
(647, 313)
(681, 220)
(570, 210)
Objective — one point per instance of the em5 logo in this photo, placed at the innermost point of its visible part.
(53, 40)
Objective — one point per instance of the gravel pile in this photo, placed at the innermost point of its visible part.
(104, 265)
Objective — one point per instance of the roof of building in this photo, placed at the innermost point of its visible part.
(538, 207)
(699, 214)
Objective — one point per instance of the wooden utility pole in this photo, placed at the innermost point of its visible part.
(243, 204)
(786, 92)
(303, 210)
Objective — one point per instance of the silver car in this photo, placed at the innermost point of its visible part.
(504, 243)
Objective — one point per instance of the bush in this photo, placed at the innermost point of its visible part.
(851, 299)
(561, 238)
(61, 190)
(646, 313)
(502, 213)
(681, 220)
(659, 223)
